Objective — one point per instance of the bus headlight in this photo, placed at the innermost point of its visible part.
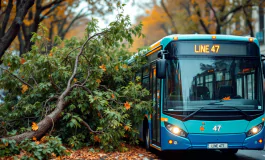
(175, 130)
(254, 130)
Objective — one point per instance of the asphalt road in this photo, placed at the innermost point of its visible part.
(212, 155)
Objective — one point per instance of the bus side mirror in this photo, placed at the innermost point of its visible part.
(161, 68)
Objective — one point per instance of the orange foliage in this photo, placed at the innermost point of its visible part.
(96, 138)
(127, 105)
(22, 61)
(103, 67)
(98, 81)
(24, 88)
(34, 126)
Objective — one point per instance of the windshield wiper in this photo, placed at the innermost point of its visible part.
(193, 113)
(242, 112)
(247, 117)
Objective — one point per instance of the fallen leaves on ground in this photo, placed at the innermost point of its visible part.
(134, 152)
(90, 153)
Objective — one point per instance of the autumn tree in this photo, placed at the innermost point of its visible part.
(213, 16)
(82, 92)
(58, 15)
(166, 17)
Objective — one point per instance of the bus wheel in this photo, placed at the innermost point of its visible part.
(147, 139)
(230, 151)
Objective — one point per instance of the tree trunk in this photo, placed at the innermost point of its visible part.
(13, 30)
(218, 29)
(44, 125)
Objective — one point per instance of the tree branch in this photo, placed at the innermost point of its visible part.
(17, 77)
(51, 4)
(13, 30)
(237, 8)
(214, 12)
(201, 21)
(6, 18)
(170, 17)
(248, 22)
(77, 59)
(89, 128)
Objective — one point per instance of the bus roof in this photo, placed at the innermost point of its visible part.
(165, 40)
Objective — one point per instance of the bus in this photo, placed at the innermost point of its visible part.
(206, 92)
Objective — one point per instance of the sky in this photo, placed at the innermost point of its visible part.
(130, 9)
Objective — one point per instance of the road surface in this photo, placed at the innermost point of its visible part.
(212, 155)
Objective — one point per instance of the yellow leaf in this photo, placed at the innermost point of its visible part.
(75, 80)
(34, 127)
(6, 144)
(127, 105)
(98, 81)
(51, 54)
(112, 96)
(24, 88)
(9, 64)
(34, 138)
(103, 67)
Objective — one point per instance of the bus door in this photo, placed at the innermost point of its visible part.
(155, 92)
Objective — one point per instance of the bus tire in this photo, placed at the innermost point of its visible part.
(146, 137)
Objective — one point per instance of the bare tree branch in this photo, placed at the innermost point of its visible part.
(237, 8)
(214, 12)
(170, 17)
(249, 24)
(6, 18)
(9, 36)
(51, 4)
(197, 10)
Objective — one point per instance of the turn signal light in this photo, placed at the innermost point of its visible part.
(213, 37)
(260, 140)
(250, 39)
(170, 142)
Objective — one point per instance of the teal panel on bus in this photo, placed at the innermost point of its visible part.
(254, 122)
(170, 38)
(216, 127)
(173, 121)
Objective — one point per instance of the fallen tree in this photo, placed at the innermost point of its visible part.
(81, 91)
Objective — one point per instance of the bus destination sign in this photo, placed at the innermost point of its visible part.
(216, 48)
(206, 48)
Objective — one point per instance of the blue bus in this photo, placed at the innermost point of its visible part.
(207, 93)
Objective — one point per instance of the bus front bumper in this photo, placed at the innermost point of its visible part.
(201, 141)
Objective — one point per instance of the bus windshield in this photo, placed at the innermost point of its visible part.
(197, 82)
